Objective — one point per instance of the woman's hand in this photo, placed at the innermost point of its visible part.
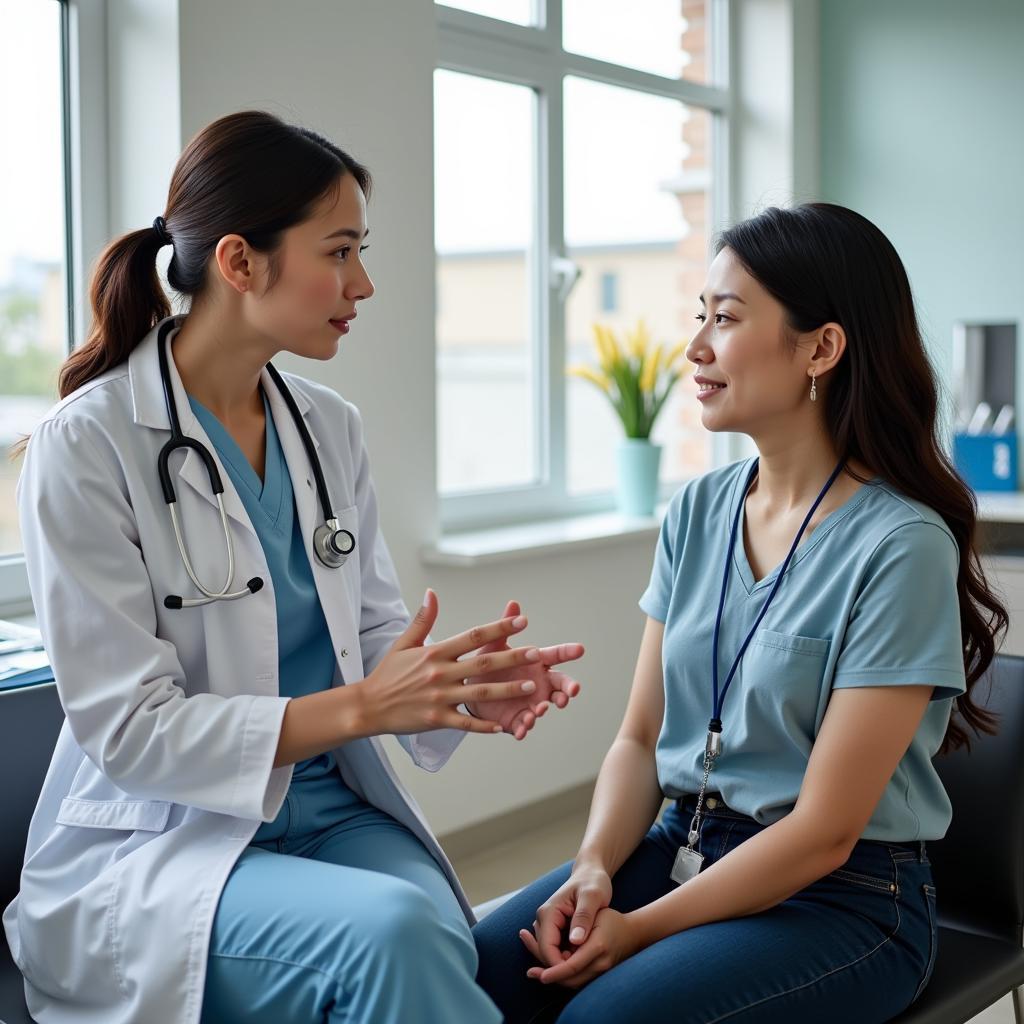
(417, 688)
(519, 716)
(565, 919)
(612, 939)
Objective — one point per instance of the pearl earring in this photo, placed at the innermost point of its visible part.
(814, 388)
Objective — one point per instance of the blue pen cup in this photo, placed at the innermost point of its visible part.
(987, 462)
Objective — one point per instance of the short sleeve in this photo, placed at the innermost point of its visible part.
(904, 629)
(655, 599)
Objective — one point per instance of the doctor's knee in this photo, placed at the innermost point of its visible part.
(406, 923)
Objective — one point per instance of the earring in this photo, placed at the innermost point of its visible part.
(814, 388)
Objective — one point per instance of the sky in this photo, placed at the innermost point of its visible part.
(31, 171)
(620, 146)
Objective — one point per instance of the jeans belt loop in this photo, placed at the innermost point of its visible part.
(922, 854)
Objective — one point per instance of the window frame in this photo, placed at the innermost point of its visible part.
(533, 56)
(84, 129)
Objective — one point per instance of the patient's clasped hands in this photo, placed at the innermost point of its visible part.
(577, 936)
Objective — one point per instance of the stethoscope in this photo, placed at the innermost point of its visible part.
(331, 544)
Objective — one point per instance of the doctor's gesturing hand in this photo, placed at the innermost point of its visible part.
(416, 688)
(518, 716)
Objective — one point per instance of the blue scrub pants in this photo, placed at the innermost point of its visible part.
(856, 947)
(339, 913)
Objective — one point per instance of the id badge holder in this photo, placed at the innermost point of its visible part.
(687, 865)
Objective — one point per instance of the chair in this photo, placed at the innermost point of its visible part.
(30, 719)
(979, 865)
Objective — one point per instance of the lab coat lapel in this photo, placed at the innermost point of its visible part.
(341, 613)
(150, 409)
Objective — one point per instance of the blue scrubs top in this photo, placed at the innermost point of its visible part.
(306, 660)
(868, 599)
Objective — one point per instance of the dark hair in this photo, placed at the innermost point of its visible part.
(825, 263)
(248, 173)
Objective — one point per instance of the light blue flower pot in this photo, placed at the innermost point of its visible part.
(638, 476)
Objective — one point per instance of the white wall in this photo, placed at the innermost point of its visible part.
(362, 74)
(775, 130)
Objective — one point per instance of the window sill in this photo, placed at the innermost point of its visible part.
(470, 548)
(467, 549)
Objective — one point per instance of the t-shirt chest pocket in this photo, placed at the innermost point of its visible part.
(782, 675)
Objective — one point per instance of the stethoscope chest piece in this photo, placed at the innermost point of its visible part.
(332, 544)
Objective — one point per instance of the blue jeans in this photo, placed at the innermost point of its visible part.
(337, 912)
(856, 946)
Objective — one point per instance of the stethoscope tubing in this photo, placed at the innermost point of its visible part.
(331, 544)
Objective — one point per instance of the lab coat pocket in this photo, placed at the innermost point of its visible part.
(129, 815)
(70, 900)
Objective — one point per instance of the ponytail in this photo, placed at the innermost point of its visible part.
(127, 300)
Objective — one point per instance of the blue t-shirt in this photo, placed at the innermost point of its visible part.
(869, 599)
(306, 660)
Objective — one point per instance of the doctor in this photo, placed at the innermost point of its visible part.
(220, 836)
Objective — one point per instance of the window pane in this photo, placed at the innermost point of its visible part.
(665, 37)
(518, 11)
(33, 291)
(484, 215)
(636, 214)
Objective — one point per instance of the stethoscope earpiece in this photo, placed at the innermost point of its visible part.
(176, 601)
(331, 544)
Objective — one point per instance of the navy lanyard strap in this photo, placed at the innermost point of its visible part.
(716, 718)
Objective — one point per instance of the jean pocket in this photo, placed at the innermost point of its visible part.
(878, 884)
(930, 898)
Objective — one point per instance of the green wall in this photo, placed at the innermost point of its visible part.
(922, 131)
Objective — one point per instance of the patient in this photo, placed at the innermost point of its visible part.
(813, 613)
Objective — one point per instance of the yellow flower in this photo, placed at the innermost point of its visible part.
(589, 373)
(649, 374)
(607, 350)
(639, 341)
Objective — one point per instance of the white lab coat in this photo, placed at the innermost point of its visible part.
(163, 769)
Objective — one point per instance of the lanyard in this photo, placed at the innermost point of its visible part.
(713, 747)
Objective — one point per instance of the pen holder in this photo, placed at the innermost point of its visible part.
(987, 462)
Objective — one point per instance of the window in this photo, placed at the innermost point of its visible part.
(609, 292)
(484, 133)
(665, 37)
(53, 213)
(579, 174)
(34, 238)
(519, 12)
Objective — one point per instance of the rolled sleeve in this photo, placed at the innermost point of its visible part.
(904, 629)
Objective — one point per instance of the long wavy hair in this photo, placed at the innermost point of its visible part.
(248, 173)
(825, 263)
